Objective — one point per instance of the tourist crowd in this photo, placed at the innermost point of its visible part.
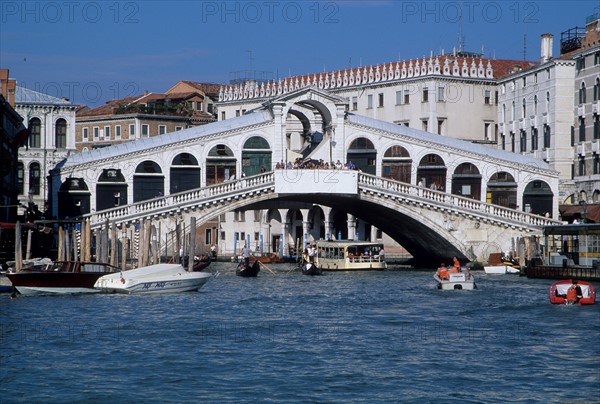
(299, 163)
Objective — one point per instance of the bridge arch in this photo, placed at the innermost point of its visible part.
(221, 164)
(466, 181)
(502, 190)
(538, 196)
(363, 154)
(148, 181)
(318, 222)
(184, 173)
(111, 189)
(256, 155)
(432, 171)
(73, 198)
(396, 164)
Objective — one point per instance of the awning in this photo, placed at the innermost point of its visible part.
(591, 213)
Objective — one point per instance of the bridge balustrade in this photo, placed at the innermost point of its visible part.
(450, 200)
(237, 188)
(182, 200)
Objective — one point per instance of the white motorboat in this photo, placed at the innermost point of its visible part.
(456, 281)
(501, 269)
(159, 278)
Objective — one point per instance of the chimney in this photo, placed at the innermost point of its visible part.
(4, 83)
(7, 87)
(546, 54)
(12, 86)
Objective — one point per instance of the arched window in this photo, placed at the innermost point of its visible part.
(148, 181)
(466, 181)
(582, 94)
(34, 178)
(362, 154)
(432, 172)
(537, 198)
(60, 138)
(396, 164)
(35, 130)
(185, 173)
(502, 190)
(256, 156)
(20, 178)
(220, 165)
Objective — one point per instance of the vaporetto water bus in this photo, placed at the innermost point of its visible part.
(350, 255)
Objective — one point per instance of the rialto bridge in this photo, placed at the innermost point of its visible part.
(436, 196)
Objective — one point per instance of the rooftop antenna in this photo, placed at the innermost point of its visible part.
(461, 37)
(524, 47)
(250, 58)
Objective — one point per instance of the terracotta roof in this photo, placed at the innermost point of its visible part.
(183, 96)
(207, 88)
(109, 108)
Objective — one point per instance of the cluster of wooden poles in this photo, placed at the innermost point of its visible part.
(74, 241)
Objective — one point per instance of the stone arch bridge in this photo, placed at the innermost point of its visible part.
(436, 196)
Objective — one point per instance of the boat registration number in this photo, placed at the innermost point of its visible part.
(158, 285)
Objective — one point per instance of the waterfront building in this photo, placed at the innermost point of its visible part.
(51, 124)
(535, 111)
(184, 105)
(13, 135)
(583, 46)
(451, 95)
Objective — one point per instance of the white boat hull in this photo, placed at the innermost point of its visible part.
(41, 290)
(153, 279)
(462, 281)
(500, 269)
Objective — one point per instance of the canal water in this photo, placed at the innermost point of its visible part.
(386, 336)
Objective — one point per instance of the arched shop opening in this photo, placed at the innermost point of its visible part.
(396, 164)
(363, 155)
(111, 190)
(256, 156)
(73, 198)
(502, 190)
(185, 173)
(148, 181)
(220, 165)
(538, 198)
(432, 171)
(466, 181)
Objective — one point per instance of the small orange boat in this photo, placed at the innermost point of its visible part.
(559, 290)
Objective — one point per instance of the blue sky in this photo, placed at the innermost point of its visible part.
(94, 51)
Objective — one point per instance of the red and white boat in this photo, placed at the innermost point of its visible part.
(558, 292)
(61, 277)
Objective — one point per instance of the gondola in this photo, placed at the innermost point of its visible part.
(249, 272)
(311, 269)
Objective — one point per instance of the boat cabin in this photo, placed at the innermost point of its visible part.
(348, 255)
